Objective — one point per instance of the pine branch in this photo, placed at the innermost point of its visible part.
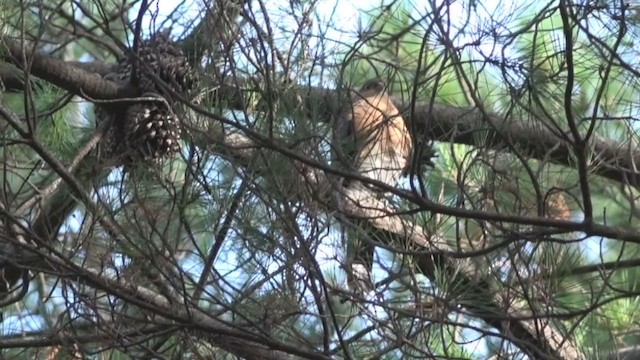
(80, 82)
(615, 161)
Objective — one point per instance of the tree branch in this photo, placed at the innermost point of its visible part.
(612, 160)
(78, 81)
(461, 125)
(214, 29)
(242, 342)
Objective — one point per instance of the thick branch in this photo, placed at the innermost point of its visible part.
(612, 160)
(615, 161)
(11, 78)
(86, 84)
(99, 68)
(447, 123)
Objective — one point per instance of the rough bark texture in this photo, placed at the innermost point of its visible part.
(76, 80)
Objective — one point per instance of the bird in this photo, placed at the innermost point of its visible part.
(374, 142)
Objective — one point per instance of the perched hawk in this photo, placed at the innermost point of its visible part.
(373, 141)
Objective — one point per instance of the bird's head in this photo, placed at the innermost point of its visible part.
(372, 87)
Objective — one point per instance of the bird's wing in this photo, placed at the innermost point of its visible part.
(379, 123)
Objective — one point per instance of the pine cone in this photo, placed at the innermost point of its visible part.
(163, 58)
(148, 129)
(152, 129)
